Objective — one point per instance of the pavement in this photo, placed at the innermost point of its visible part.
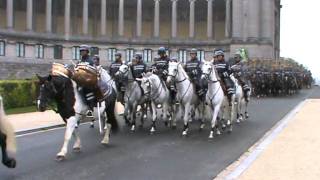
(164, 155)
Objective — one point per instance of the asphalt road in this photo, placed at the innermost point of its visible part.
(140, 156)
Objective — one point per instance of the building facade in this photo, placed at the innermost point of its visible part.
(34, 32)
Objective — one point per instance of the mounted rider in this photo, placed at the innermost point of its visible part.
(85, 57)
(87, 93)
(138, 68)
(160, 65)
(193, 69)
(113, 69)
(238, 70)
(224, 71)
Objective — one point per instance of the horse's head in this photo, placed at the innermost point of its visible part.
(146, 84)
(123, 71)
(206, 69)
(49, 89)
(172, 71)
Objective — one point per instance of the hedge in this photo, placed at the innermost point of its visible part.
(18, 93)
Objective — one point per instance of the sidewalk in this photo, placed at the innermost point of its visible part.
(34, 120)
(293, 154)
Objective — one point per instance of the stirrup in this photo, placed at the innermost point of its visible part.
(89, 114)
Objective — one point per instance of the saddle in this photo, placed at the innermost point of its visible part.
(88, 77)
(85, 75)
(59, 69)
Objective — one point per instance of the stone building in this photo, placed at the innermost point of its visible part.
(34, 33)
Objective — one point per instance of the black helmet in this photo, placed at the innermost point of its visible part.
(118, 54)
(138, 56)
(161, 50)
(193, 51)
(219, 53)
(84, 47)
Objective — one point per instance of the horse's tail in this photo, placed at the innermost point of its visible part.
(111, 112)
(7, 129)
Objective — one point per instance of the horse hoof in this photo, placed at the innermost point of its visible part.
(184, 134)
(10, 163)
(166, 123)
(60, 158)
(238, 121)
(133, 128)
(76, 149)
(218, 132)
(105, 142)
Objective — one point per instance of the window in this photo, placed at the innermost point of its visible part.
(111, 54)
(183, 56)
(2, 48)
(57, 54)
(129, 54)
(76, 53)
(147, 55)
(39, 51)
(20, 51)
(200, 55)
(94, 51)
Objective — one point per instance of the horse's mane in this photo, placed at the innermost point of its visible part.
(183, 71)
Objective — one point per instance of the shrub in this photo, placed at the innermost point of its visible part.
(18, 93)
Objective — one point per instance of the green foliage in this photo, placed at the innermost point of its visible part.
(18, 93)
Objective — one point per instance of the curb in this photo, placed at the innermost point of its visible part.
(234, 170)
(43, 128)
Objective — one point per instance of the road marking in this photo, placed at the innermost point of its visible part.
(46, 130)
(260, 146)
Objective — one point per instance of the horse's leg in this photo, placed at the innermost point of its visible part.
(216, 110)
(231, 111)
(6, 160)
(154, 117)
(71, 123)
(174, 116)
(77, 143)
(111, 120)
(126, 114)
(187, 114)
(133, 115)
(201, 115)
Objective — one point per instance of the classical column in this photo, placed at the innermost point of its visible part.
(209, 19)
(67, 19)
(228, 18)
(174, 19)
(253, 20)
(156, 18)
(49, 16)
(103, 16)
(9, 14)
(191, 19)
(237, 20)
(267, 20)
(85, 17)
(29, 15)
(139, 18)
(120, 20)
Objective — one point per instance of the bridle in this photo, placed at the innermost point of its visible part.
(175, 75)
(207, 76)
(150, 92)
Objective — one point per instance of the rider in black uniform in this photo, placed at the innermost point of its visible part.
(224, 72)
(238, 71)
(193, 70)
(113, 69)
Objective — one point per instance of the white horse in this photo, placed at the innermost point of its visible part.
(72, 109)
(157, 92)
(7, 140)
(132, 97)
(239, 100)
(214, 96)
(185, 93)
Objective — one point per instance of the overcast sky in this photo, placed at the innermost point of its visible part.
(300, 32)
